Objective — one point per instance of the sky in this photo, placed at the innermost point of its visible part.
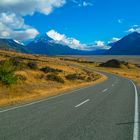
(76, 22)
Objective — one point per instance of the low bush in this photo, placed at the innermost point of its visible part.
(49, 69)
(7, 73)
(137, 65)
(32, 65)
(21, 77)
(113, 63)
(54, 77)
(17, 63)
(74, 77)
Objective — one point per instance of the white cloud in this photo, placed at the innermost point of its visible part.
(23, 7)
(135, 28)
(114, 39)
(131, 30)
(55, 35)
(12, 24)
(82, 3)
(74, 43)
(25, 34)
(135, 25)
(99, 43)
(75, 1)
(120, 21)
(63, 39)
(85, 4)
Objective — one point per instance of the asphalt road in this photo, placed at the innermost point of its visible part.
(107, 111)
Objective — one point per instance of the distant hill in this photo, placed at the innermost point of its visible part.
(13, 45)
(113, 63)
(128, 45)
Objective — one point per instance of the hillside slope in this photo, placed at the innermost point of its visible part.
(128, 45)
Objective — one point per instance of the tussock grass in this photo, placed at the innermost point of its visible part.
(54, 77)
(37, 76)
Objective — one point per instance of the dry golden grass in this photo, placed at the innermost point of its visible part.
(35, 85)
(133, 74)
(130, 71)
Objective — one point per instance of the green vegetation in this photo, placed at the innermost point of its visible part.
(7, 73)
(54, 77)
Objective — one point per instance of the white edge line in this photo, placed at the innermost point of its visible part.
(136, 115)
(82, 103)
(104, 90)
(43, 100)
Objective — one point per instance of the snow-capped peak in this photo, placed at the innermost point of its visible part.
(18, 42)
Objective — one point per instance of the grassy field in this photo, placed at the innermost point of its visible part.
(29, 77)
(131, 70)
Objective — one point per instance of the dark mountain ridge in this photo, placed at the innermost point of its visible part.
(128, 45)
(12, 45)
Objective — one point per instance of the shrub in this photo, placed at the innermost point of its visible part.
(32, 65)
(17, 63)
(137, 65)
(54, 77)
(7, 75)
(21, 77)
(74, 77)
(113, 63)
(49, 69)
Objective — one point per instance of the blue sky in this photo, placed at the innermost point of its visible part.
(88, 21)
(102, 21)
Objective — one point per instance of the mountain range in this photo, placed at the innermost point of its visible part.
(46, 45)
(12, 45)
(128, 45)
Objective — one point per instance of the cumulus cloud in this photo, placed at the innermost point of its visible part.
(23, 7)
(74, 43)
(12, 24)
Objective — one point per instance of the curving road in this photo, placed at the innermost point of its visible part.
(107, 111)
